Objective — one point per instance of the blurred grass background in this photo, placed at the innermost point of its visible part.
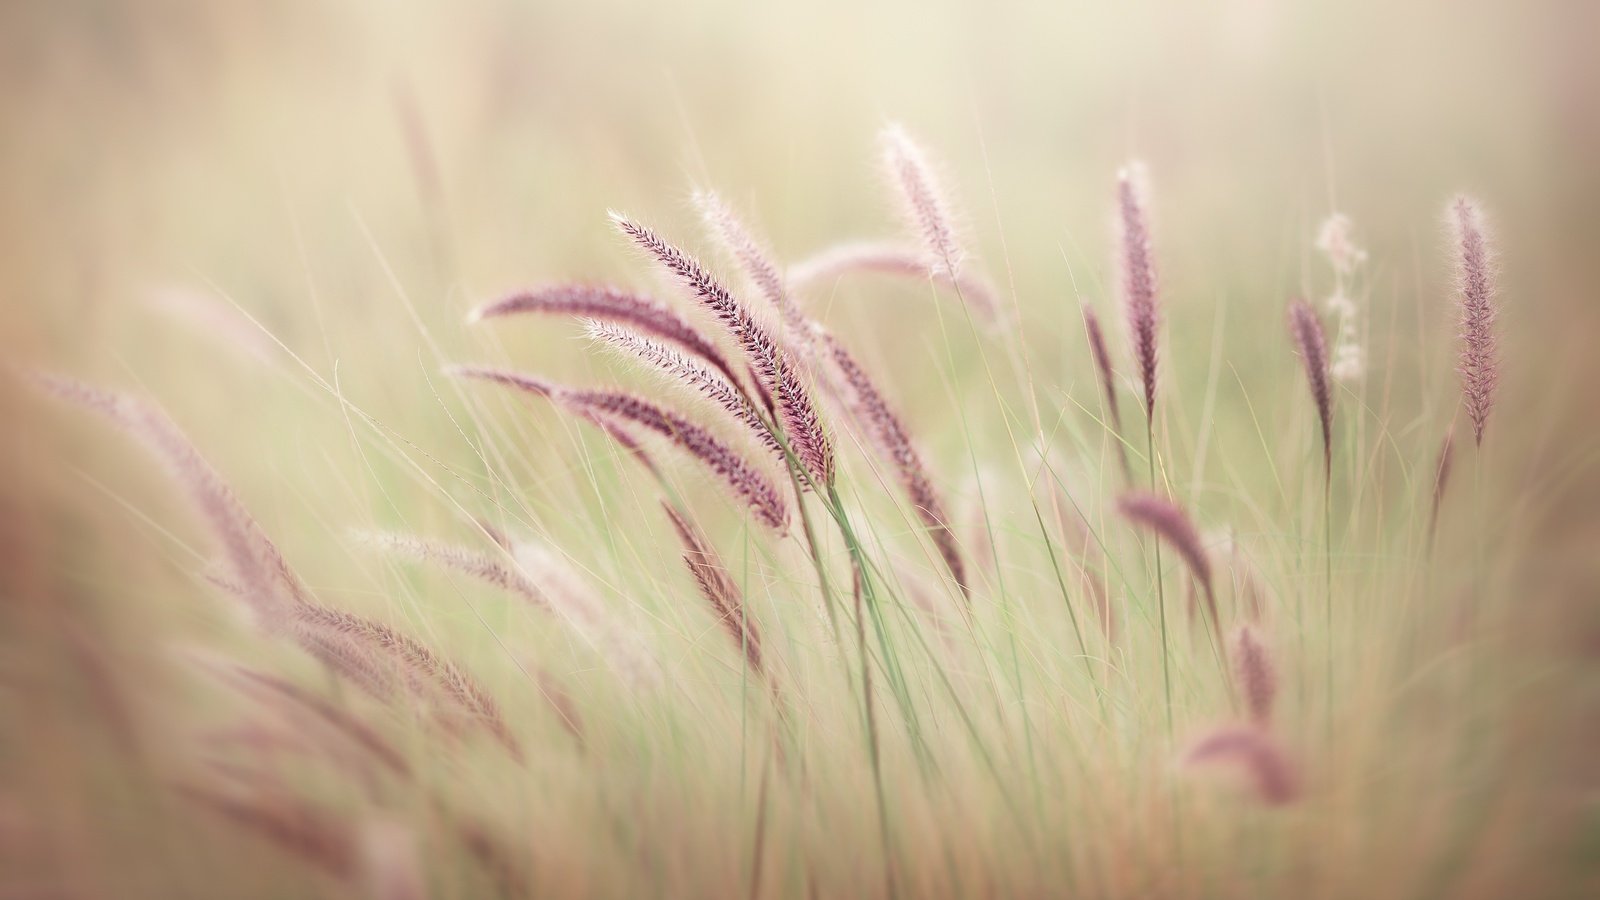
(355, 176)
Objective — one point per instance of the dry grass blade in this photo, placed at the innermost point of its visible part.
(1441, 479)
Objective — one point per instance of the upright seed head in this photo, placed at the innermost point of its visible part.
(924, 204)
(1137, 273)
(1309, 339)
(1479, 365)
(1255, 675)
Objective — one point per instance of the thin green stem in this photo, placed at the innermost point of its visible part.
(1161, 594)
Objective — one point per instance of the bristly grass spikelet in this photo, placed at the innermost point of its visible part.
(1136, 272)
(1475, 296)
(1312, 344)
(1254, 674)
(798, 415)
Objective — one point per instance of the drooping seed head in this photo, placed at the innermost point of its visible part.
(609, 304)
(1260, 755)
(873, 257)
(797, 413)
(685, 371)
(719, 589)
(264, 580)
(1169, 523)
(889, 435)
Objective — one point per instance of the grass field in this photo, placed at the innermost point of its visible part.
(825, 560)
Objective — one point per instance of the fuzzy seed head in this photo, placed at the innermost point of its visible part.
(1479, 365)
(1137, 272)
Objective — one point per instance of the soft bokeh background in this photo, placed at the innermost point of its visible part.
(355, 176)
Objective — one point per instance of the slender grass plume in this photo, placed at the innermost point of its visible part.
(877, 673)
(923, 201)
(1312, 344)
(1479, 365)
(1108, 382)
(1136, 272)
(1254, 673)
(801, 422)
(889, 434)
(757, 262)
(1168, 522)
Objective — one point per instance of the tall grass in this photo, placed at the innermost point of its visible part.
(637, 677)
